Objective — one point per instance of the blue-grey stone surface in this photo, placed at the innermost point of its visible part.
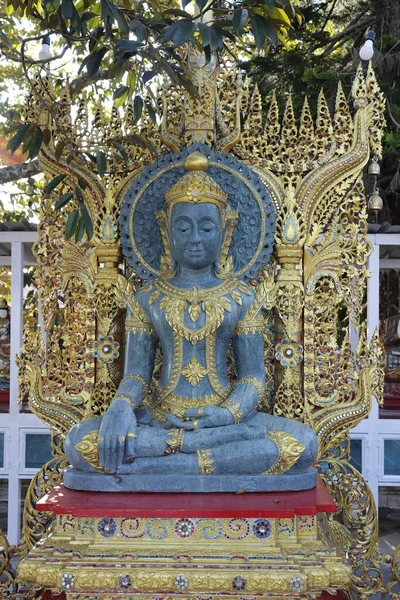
(173, 482)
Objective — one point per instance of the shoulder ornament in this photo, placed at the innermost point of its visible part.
(136, 321)
(253, 320)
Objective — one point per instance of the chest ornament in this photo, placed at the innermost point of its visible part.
(213, 302)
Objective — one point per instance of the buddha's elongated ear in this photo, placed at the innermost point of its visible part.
(167, 268)
(225, 267)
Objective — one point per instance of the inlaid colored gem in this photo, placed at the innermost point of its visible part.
(262, 528)
(67, 580)
(107, 527)
(239, 583)
(184, 528)
(181, 582)
(125, 581)
(296, 584)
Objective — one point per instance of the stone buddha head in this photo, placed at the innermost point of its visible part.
(198, 222)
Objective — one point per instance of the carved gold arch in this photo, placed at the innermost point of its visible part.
(314, 169)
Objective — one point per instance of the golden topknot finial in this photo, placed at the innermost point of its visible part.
(196, 186)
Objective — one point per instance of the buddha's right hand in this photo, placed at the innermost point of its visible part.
(117, 435)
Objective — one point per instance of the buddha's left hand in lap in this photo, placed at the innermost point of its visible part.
(209, 416)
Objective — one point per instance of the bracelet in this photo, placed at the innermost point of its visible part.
(260, 387)
(139, 378)
(127, 399)
(234, 409)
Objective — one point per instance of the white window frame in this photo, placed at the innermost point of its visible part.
(25, 472)
(386, 479)
(364, 450)
(4, 469)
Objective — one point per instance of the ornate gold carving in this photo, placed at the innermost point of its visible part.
(88, 448)
(234, 409)
(196, 186)
(175, 441)
(194, 372)
(259, 385)
(205, 462)
(139, 378)
(246, 326)
(177, 405)
(213, 302)
(126, 398)
(289, 450)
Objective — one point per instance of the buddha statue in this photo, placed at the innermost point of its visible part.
(197, 431)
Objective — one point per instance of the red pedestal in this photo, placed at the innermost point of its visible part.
(62, 500)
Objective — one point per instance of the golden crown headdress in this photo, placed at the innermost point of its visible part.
(196, 186)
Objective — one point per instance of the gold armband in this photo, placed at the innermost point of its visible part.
(234, 409)
(260, 387)
(175, 442)
(246, 326)
(137, 321)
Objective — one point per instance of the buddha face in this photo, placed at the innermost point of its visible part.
(195, 234)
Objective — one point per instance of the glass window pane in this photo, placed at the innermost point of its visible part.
(3, 504)
(37, 450)
(356, 454)
(391, 457)
(1, 452)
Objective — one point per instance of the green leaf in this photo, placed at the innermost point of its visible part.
(67, 9)
(80, 228)
(63, 200)
(216, 40)
(121, 91)
(122, 150)
(270, 3)
(201, 4)
(52, 6)
(239, 19)
(94, 61)
(261, 29)
(180, 32)
(18, 137)
(5, 39)
(88, 16)
(151, 111)
(54, 183)
(205, 32)
(101, 161)
(127, 48)
(147, 75)
(36, 144)
(87, 221)
(72, 222)
(177, 12)
(137, 108)
(79, 193)
(59, 150)
(138, 29)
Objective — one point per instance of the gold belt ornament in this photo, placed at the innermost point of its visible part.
(177, 405)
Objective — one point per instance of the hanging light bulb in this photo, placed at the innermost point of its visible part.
(367, 49)
(45, 52)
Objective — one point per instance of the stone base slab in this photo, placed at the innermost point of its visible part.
(99, 482)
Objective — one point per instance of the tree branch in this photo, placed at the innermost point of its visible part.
(19, 171)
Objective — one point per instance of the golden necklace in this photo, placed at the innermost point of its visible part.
(212, 301)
